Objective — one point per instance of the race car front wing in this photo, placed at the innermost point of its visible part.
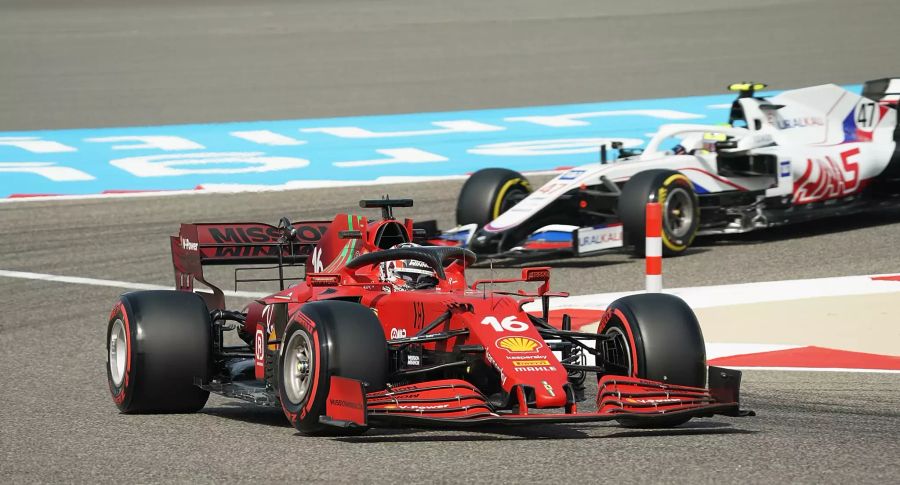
(456, 403)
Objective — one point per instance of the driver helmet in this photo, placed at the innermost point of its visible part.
(408, 274)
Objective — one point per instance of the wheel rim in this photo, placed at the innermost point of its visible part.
(118, 352)
(298, 367)
(678, 213)
(617, 351)
(512, 198)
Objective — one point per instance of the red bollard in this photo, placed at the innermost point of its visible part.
(653, 248)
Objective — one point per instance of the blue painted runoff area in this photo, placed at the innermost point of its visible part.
(349, 149)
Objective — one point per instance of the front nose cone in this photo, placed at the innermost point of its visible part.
(484, 242)
(548, 396)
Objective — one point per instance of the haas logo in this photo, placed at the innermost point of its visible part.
(317, 265)
(827, 179)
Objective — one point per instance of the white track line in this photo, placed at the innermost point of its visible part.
(126, 285)
(696, 297)
(714, 350)
(244, 188)
(816, 369)
(746, 293)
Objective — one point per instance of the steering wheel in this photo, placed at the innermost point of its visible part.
(434, 256)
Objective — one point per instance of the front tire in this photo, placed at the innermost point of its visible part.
(680, 209)
(158, 343)
(655, 336)
(324, 339)
(488, 193)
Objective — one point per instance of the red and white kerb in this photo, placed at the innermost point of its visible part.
(653, 247)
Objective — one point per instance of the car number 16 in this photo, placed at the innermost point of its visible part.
(508, 324)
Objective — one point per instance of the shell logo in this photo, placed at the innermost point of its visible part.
(518, 344)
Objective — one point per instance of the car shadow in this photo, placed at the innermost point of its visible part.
(573, 262)
(693, 250)
(274, 417)
(249, 413)
(613, 258)
(703, 244)
(801, 230)
(539, 432)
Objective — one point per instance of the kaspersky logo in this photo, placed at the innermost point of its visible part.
(518, 344)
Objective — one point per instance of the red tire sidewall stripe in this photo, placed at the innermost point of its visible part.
(615, 312)
(120, 393)
(310, 326)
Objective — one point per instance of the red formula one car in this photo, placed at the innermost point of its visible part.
(382, 332)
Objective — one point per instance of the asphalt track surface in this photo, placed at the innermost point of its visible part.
(58, 422)
(88, 63)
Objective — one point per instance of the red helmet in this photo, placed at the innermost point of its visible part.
(408, 274)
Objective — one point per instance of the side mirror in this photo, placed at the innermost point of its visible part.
(540, 273)
(630, 152)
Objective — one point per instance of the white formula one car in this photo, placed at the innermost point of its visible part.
(803, 154)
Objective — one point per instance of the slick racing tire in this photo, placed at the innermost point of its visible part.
(158, 343)
(654, 336)
(680, 209)
(324, 339)
(488, 193)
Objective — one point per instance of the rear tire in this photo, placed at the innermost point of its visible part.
(488, 193)
(328, 338)
(656, 337)
(680, 208)
(158, 342)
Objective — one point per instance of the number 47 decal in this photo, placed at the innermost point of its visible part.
(866, 116)
(509, 324)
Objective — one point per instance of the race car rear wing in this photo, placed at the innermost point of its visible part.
(886, 91)
(242, 243)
